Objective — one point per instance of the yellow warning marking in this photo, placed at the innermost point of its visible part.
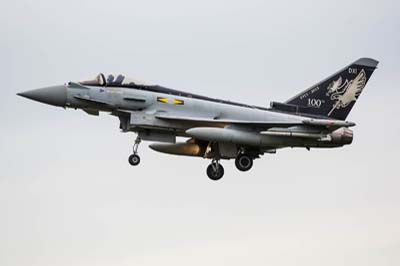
(162, 99)
(179, 102)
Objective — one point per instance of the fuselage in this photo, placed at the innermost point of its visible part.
(149, 104)
(145, 107)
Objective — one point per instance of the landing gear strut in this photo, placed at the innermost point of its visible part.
(244, 162)
(134, 158)
(215, 171)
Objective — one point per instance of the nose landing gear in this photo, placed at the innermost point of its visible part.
(134, 158)
(215, 171)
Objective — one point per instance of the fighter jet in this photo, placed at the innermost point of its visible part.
(218, 129)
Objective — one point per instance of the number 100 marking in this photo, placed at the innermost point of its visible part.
(315, 103)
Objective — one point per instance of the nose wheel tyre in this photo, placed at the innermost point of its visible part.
(215, 171)
(134, 159)
(244, 162)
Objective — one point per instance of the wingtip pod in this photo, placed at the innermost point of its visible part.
(367, 62)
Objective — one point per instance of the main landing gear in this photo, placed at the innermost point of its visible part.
(134, 158)
(215, 171)
(244, 162)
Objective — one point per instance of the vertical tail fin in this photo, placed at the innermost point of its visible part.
(336, 95)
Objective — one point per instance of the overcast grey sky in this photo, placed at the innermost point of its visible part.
(69, 197)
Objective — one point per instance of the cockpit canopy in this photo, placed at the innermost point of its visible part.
(114, 80)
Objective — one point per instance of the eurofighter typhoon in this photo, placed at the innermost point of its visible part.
(217, 129)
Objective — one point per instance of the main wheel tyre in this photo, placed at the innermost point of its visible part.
(244, 162)
(134, 159)
(215, 171)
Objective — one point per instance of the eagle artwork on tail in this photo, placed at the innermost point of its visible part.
(334, 86)
(348, 92)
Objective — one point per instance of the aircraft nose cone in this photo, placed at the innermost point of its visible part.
(54, 95)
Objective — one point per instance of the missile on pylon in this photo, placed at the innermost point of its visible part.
(282, 136)
(226, 135)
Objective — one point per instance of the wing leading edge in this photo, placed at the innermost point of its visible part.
(331, 124)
